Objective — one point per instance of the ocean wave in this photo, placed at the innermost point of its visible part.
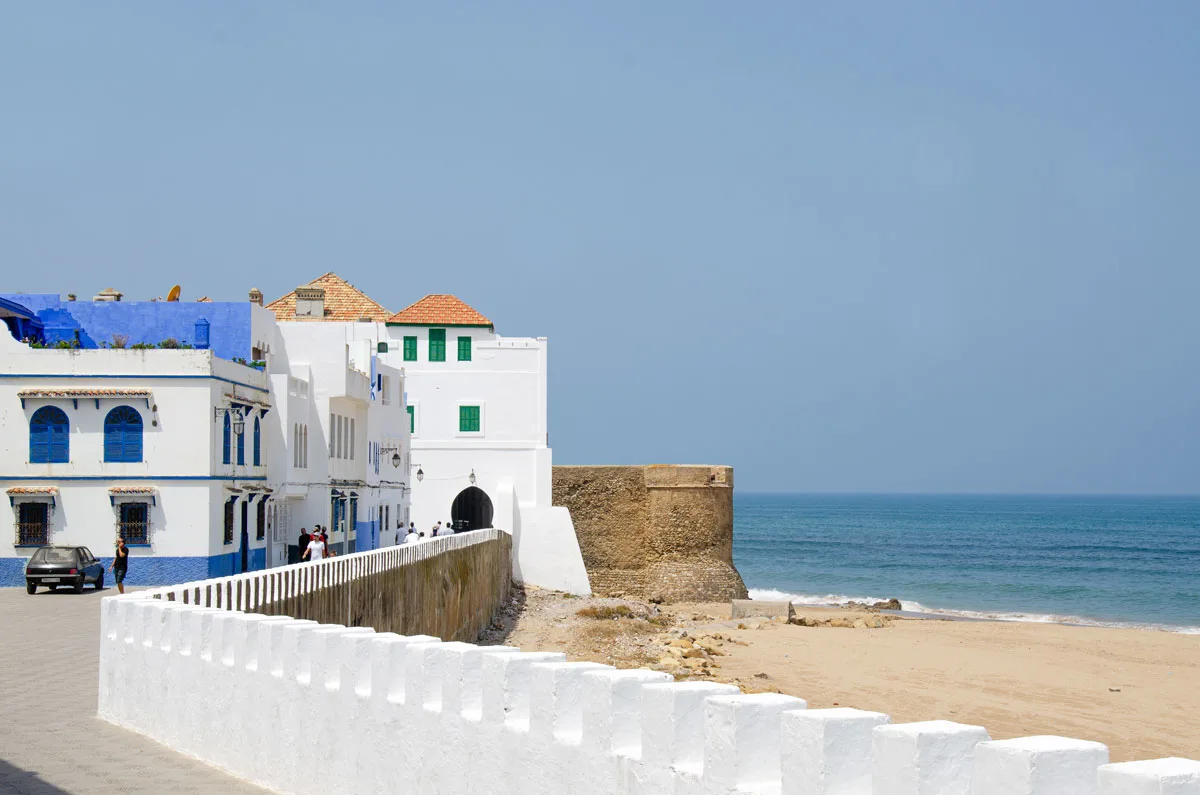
(909, 606)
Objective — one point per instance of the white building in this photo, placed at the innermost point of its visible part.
(477, 408)
(351, 417)
(97, 443)
(204, 464)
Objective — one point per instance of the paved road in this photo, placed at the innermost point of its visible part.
(51, 741)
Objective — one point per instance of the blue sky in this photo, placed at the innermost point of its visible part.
(930, 246)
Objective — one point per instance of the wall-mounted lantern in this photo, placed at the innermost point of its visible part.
(471, 477)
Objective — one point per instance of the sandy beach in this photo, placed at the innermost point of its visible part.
(1137, 691)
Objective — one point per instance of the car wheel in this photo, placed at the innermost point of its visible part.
(79, 585)
(30, 587)
(100, 582)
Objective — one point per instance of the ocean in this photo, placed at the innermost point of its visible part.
(1103, 561)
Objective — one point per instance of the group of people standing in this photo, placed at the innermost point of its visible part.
(412, 536)
(315, 545)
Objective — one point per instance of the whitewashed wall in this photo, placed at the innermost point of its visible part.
(413, 714)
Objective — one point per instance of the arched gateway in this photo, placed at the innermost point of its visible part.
(472, 510)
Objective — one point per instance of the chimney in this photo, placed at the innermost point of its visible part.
(256, 296)
(310, 302)
(108, 294)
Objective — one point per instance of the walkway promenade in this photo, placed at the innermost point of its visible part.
(51, 741)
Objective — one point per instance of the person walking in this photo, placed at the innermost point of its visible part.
(302, 544)
(412, 536)
(315, 550)
(120, 564)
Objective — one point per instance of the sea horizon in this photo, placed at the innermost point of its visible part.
(1081, 559)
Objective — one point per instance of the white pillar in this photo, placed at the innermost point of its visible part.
(742, 740)
(930, 758)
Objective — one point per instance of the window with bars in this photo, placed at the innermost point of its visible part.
(261, 520)
(437, 344)
(410, 349)
(133, 523)
(228, 539)
(33, 524)
(49, 436)
(468, 419)
(464, 349)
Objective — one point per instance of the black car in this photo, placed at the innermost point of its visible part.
(55, 566)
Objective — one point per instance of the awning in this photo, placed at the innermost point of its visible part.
(89, 393)
(132, 491)
(32, 493)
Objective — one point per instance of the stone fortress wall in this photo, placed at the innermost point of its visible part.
(662, 532)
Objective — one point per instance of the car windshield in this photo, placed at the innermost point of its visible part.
(53, 555)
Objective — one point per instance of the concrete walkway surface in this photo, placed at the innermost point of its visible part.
(51, 741)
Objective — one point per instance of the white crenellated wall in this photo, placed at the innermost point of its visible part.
(301, 707)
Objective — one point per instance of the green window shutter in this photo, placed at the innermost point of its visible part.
(381, 347)
(464, 349)
(468, 419)
(410, 349)
(412, 419)
(437, 344)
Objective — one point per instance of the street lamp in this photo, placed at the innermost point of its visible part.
(395, 459)
(471, 477)
(420, 474)
(239, 423)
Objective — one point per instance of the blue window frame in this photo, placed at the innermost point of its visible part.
(257, 443)
(49, 436)
(225, 440)
(123, 435)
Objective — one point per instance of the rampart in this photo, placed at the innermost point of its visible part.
(654, 532)
(303, 707)
(446, 587)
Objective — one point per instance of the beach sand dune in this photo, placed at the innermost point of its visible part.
(1137, 691)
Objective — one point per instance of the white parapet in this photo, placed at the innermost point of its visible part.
(1154, 777)
(301, 707)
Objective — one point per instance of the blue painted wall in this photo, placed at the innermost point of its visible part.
(142, 321)
(153, 570)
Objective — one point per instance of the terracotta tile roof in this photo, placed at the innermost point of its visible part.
(439, 310)
(344, 303)
(18, 491)
(131, 490)
(84, 392)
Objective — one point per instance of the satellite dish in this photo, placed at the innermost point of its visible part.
(174, 294)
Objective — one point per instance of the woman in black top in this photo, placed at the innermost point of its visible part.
(120, 564)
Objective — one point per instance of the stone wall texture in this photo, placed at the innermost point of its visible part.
(449, 588)
(662, 532)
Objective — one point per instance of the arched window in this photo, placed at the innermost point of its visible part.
(241, 446)
(257, 444)
(123, 435)
(225, 440)
(49, 436)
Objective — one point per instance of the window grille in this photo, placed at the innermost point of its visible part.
(33, 524)
(134, 522)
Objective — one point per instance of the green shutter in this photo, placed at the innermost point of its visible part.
(412, 419)
(380, 347)
(437, 344)
(410, 349)
(468, 419)
(464, 349)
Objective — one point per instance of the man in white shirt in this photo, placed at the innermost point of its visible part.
(412, 536)
(437, 530)
(447, 530)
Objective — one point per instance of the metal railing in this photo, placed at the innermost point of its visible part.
(134, 532)
(33, 533)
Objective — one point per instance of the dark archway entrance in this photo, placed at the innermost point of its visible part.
(472, 510)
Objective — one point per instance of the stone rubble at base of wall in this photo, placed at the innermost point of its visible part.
(301, 707)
